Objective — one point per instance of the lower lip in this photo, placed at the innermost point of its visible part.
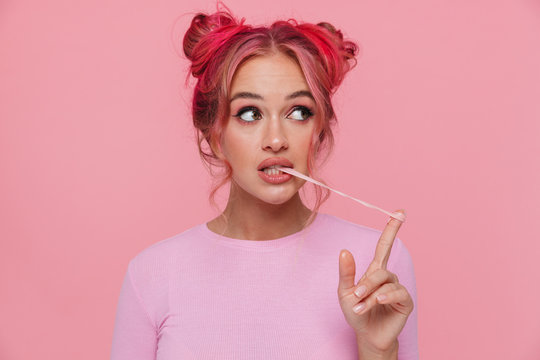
(275, 179)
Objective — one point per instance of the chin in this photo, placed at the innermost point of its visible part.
(270, 195)
(276, 199)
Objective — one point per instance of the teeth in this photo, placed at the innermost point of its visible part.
(272, 171)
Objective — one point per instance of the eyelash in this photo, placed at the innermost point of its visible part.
(252, 108)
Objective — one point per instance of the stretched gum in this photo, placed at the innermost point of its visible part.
(396, 215)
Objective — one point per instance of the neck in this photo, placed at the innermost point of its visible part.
(249, 218)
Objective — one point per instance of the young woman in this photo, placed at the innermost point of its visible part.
(259, 281)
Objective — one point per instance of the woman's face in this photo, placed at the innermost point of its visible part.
(271, 111)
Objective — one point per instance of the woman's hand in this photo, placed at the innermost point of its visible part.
(384, 305)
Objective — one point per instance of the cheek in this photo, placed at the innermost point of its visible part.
(235, 147)
(228, 143)
(306, 142)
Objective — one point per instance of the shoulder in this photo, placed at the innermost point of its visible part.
(348, 233)
(156, 259)
(360, 240)
(335, 223)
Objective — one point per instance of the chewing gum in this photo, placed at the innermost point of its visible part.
(395, 215)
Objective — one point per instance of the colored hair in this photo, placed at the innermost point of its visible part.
(217, 44)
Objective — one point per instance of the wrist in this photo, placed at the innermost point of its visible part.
(369, 352)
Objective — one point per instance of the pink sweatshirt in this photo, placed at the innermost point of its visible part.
(200, 295)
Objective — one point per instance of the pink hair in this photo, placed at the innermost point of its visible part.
(217, 44)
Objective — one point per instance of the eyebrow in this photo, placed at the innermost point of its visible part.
(250, 95)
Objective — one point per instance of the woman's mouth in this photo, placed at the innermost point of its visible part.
(272, 170)
(273, 176)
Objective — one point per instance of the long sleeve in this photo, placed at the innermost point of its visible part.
(201, 295)
(135, 335)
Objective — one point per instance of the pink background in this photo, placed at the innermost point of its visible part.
(441, 117)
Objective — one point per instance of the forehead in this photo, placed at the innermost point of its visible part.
(269, 74)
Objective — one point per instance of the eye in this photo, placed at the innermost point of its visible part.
(246, 114)
(303, 112)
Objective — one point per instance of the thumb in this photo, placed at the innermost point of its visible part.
(347, 270)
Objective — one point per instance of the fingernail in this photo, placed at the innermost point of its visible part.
(403, 215)
(359, 307)
(400, 216)
(381, 297)
(360, 291)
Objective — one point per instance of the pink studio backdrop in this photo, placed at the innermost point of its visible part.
(98, 161)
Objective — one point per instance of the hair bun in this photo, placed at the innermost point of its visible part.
(330, 28)
(351, 49)
(201, 25)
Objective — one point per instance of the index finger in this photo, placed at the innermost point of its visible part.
(384, 245)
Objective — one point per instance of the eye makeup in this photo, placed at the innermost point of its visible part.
(306, 110)
(244, 110)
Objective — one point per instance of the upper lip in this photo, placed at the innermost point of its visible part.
(274, 161)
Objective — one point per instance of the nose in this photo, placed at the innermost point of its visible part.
(274, 138)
